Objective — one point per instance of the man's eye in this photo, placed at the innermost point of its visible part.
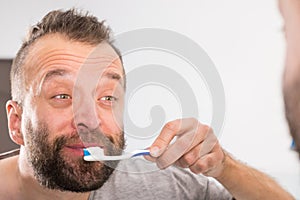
(62, 96)
(108, 98)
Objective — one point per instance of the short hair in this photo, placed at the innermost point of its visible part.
(74, 25)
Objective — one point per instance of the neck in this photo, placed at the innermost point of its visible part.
(29, 188)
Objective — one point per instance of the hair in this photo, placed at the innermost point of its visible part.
(73, 24)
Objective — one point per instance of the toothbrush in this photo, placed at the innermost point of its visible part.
(97, 154)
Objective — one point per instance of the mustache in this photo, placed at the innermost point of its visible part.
(94, 137)
(86, 138)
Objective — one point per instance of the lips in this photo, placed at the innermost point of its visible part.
(82, 145)
(77, 149)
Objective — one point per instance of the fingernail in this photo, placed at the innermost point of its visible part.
(154, 151)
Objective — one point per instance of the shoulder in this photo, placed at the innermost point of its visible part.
(8, 165)
(8, 161)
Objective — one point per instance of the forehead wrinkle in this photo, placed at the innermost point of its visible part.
(36, 64)
(58, 58)
(70, 50)
(72, 58)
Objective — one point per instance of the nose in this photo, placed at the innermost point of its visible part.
(85, 107)
(85, 114)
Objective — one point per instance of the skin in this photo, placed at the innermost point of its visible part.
(290, 11)
(196, 147)
(48, 99)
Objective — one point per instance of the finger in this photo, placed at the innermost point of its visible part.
(203, 136)
(189, 158)
(202, 165)
(169, 131)
(208, 144)
(150, 158)
(174, 151)
(205, 147)
(210, 163)
(182, 145)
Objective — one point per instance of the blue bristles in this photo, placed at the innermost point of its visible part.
(86, 152)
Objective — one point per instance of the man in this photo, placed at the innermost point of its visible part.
(68, 89)
(290, 10)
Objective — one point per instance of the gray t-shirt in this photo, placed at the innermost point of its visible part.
(134, 182)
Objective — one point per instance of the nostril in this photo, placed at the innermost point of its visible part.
(82, 125)
(86, 120)
(84, 128)
(81, 128)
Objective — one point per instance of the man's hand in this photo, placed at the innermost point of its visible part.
(196, 147)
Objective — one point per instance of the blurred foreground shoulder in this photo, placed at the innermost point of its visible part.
(8, 174)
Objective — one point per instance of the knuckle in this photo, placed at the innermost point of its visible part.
(221, 155)
(189, 159)
(201, 165)
(172, 125)
(198, 167)
(217, 146)
(205, 129)
(194, 121)
(209, 160)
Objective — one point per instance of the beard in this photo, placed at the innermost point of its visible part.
(55, 170)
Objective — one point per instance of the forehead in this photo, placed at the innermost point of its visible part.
(55, 51)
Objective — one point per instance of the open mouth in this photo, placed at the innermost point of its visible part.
(77, 149)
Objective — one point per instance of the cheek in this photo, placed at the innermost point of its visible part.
(57, 121)
(112, 122)
(111, 126)
(118, 114)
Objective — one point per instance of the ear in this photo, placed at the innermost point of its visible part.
(14, 117)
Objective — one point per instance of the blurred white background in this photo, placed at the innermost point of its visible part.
(243, 38)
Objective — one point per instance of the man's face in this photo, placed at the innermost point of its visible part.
(75, 99)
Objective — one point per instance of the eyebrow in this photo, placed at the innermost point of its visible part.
(49, 75)
(62, 72)
(53, 73)
(112, 75)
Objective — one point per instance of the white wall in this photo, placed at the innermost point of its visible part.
(244, 40)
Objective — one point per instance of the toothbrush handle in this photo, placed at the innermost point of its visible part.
(140, 153)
